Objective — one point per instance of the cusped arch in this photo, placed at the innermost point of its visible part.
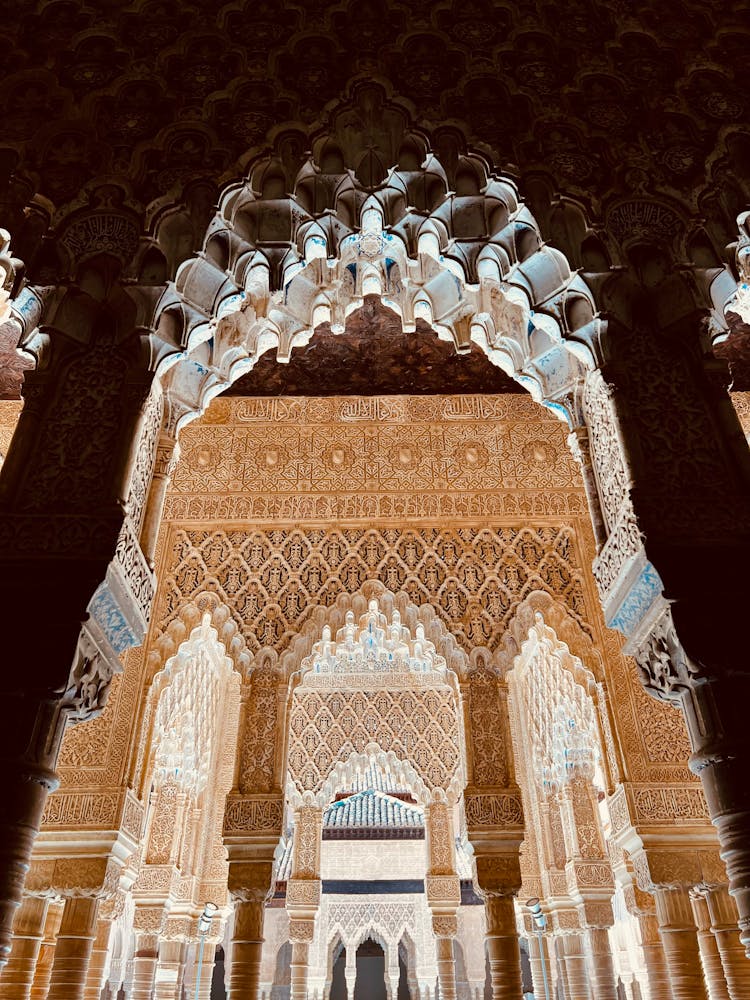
(279, 258)
(412, 616)
(566, 627)
(345, 774)
(188, 618)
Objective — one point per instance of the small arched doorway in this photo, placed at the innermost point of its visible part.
(370, 983)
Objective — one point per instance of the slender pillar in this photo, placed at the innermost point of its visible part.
(167, 454)
(446, 967)
(603, 982)
(43, 970)
(75, 941)
(680, 940)
(247, 946)
(167, 978)
(32, 732)
(502, 948)
(392, 977)
(207, 975)
(713, 970)
(28, 930)
(143, 970)
(299, 963)
(736, 966)
(576, 973)
(350, 972)
(98, 962)
(659, 987)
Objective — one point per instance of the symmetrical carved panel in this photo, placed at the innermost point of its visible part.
(271, 578)
(365, 457)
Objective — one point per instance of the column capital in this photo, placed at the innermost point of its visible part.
(498, 874)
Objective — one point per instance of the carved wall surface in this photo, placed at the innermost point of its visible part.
(523, 528)
(9, 411)
(346, 458)
(374, 686)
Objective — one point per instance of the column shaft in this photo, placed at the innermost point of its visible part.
(502, 948)
(28, 930)
(144, 973)
(98, 961)
(350, 972)
(32, 732)
(713, 970)
(539, 960)
(604, 986)
(43, 971)
(576, 973)
(167, 978)
(75, 941)
(247, 946)
(446, 967)
(680, 940)
(735, 964)
(300, 951)
(207, 975)
(659, 987)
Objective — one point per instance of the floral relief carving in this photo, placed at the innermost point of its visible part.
(489, 724)
(257, 749)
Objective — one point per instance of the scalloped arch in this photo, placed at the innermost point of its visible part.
(285, 253)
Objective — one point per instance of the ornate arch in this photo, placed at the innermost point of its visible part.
(379, 692)
(193, 629)
(412, 616)
(290, 248)
(567, 630)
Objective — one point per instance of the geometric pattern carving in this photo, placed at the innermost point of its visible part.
(395, 695)
(344, 457)
(272, 577)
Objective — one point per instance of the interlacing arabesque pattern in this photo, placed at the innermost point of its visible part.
(271, 578)
(419, 726)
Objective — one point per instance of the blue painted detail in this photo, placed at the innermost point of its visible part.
(352, 268)
(557, 408)
(106, 612)
(637, 601)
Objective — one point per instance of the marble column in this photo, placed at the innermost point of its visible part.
(539, 960)
(680, 941)
(247, 947)
(299, 963)
(98, 962)
(446, 967)
(603, 984)
(143, 969)
(502, 948)
(207, 974)
(713, 970)
(350, 972)
(392, 974)
(75, 941)
(28, 930)
(168, 974)
(659, 987)
(574, 961)
(43, 970)
(736, 966)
